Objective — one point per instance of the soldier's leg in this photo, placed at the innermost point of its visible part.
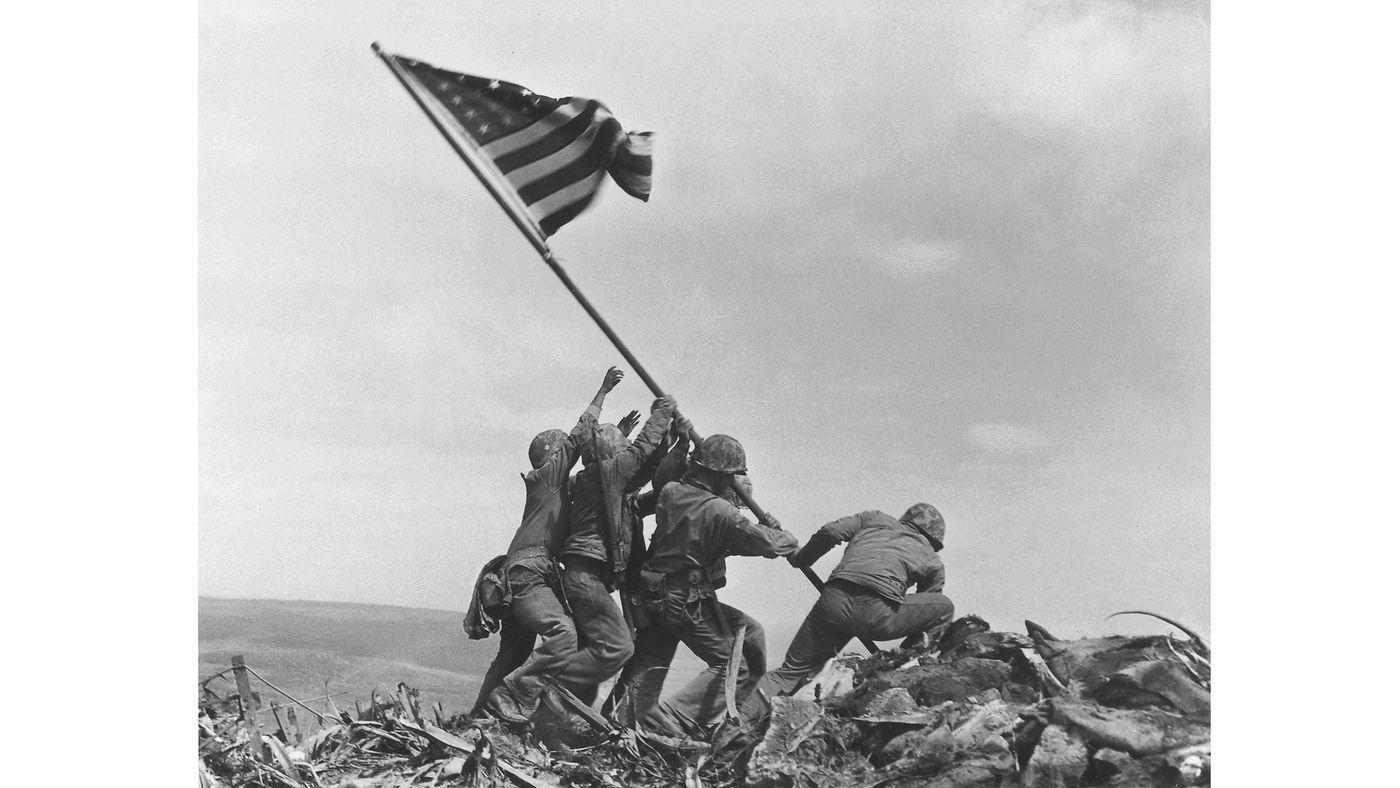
(916, 613)
(639, 700)
(701, 702)
(606, 643)
(517, 641)
(825, 631)
(537, 607)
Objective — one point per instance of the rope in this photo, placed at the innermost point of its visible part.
(289, 697)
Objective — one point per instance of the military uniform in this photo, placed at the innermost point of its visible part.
(696, 529)
(864, 597)
(598, 549)
(512, 685)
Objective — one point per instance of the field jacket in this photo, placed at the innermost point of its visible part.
(885, 555)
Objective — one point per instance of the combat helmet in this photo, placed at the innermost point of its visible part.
(928, 521)
(545, 444)
(722, 454)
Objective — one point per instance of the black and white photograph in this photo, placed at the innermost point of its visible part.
(773, 395)
(731, 394)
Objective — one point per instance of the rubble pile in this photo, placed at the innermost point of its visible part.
(982, 708)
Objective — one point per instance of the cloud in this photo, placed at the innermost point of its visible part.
(908, 258)
(1008, 439)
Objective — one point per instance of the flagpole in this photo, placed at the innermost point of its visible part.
(542, 247)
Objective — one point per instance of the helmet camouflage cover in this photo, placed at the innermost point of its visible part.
(545, 444)
(721, 453)
(929, 522)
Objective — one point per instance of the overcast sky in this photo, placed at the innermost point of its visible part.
(955, 253)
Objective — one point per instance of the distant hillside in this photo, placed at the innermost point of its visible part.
(301, 645)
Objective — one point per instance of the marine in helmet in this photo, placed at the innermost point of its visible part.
(596, 554)
(697, 528)
(865, 595)
(512, 685)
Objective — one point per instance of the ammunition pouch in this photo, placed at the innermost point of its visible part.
(676, 596)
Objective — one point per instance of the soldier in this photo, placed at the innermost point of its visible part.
(864, 597)
(512, 686)
(600, 542)
(696, 529)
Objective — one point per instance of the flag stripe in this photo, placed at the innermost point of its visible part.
(555, 161)
(544, 159)
(511, 197)
(583, 189)
(533, 132)
(562, 216)
(549, 143)
(590, 162)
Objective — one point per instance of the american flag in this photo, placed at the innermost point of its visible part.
(547, 156)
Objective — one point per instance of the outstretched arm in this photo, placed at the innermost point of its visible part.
(610, 380)
(589, 419)
(827, 537)
(748, 538)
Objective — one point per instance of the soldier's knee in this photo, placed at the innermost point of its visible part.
(562, 637)
(755, 633)
(616, 658)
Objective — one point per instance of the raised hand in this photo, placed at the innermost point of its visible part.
(666, 404)
(610, 379)
(628, 423)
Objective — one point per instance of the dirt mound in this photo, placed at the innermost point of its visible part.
(983, 709)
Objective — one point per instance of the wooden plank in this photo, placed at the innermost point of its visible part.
(249, 704)
(731, 672)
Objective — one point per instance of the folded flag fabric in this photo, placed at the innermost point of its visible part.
(547, 156)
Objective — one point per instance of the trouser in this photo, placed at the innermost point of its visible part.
(537, 610)
(517, 641)
(605, 641)
(708, 632)
(844, 611)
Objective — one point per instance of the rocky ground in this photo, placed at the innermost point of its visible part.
(981, 709)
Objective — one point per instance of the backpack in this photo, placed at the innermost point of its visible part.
(490, 600)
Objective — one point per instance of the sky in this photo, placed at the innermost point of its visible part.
(954, 253)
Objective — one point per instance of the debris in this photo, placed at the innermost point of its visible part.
(995, 709)
(1049, 684)
(1060, 760)
(835, 679)
(959, 631)
(1159, 683)
(1195, 639)
(1136, 731)
(1106, 764)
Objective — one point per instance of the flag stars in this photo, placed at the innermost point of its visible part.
(493, 84)
(483, 128)
(443, 86)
